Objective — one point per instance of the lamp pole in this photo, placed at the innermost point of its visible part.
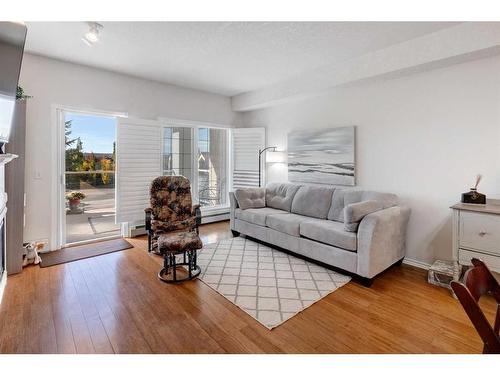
(260, 154)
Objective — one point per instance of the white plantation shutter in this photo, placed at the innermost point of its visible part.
(245, 149)
(138, 154)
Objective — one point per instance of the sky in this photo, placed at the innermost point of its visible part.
(96, 132)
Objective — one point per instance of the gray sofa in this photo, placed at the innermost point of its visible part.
(361, 232)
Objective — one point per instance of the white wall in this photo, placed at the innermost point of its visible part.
(52, 82)
(423, 137)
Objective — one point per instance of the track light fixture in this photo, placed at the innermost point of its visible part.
(92, 36)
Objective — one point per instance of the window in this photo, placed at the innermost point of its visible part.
(200, 155)
(212, 167)
(177, 152)
(147, 148)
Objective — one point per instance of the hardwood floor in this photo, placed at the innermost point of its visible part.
(115, 304)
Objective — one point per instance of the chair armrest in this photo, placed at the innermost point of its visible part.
(197, 213)
(381, 240)
(149, 213)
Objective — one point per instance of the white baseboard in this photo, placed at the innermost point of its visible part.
(215, 218)
(416, 263)
(138, 231)
(3, 284)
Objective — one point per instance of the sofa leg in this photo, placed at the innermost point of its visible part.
(399, 262)
(235, 233)
(366, 282)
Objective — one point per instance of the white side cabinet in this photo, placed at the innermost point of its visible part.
(476, 233)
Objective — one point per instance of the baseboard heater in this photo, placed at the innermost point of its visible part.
(141, 229)
(221, 216)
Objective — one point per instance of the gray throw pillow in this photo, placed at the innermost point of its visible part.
(355, 212)
(251, 198)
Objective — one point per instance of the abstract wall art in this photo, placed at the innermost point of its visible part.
(325, 156)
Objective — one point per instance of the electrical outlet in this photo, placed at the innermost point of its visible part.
(38, 175)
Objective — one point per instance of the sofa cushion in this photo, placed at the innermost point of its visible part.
(329, 232)
(336, 211)
(387, 199)
(251, 198)
(342, 198)
(355, 212)
(280, 196)
(256, 215)
(289, 223)
(313, 201)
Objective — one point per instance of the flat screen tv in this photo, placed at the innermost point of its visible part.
(12, 38)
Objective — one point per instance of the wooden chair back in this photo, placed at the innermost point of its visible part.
(478, 282)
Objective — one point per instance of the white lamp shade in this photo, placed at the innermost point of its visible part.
(276, 157)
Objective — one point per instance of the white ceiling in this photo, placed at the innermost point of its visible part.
(228, 58)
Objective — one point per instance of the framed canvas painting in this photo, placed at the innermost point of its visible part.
(324, 156)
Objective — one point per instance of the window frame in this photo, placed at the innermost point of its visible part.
(58, 168)
(227, 150)
(195, 126)
(163, 128)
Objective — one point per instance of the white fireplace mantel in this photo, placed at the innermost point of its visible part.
(3, 284)
(5, 158)
(3, 212)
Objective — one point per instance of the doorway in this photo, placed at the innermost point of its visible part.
(89, 159)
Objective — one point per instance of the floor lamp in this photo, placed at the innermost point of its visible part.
(278, 156)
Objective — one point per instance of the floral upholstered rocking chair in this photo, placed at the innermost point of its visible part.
(172, 225)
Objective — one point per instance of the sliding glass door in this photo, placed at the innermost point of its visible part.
(89, 177)
(201, 155)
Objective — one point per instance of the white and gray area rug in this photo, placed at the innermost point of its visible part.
(270, 285)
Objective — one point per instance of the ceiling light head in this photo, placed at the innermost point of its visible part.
(92, 36)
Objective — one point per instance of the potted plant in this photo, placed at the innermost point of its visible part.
(74, 199)
(20, 95)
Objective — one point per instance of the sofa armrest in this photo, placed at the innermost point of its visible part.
(381, 240)
(233, 205)
(355, 212)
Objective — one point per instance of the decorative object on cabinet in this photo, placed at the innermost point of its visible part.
(476, 233)
(325, 156)
(473, 196)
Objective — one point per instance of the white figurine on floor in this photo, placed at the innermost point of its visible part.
(31, 255)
